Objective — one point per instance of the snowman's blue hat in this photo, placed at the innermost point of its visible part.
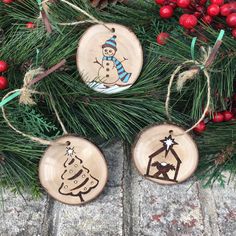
(110, 43)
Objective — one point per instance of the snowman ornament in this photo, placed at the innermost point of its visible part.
(111, 70)
(109, 62)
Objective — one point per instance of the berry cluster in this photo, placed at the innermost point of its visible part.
(196, 10)
(218, 117)
(3, 79)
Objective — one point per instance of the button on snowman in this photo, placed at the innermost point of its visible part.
(111, 70)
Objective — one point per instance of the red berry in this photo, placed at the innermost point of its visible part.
(173, 5)
(7, 1)
(217, 2)
(228, 115)
(30, 25)
(202, 2)
(197, 14)
(3, 83)
(213, 10)
(234, 33)
(201, 9)
(162, 38)
(190, 22)
(232, 5)
(200, 128)
(183, 3)
(207, 19)
(231, 20)
(160, 2)
(225, 10)
(166, 12)
(182, 19)
(218, 117)
(3, 66)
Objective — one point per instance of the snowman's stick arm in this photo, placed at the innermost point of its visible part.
(125, 59)
(97, 62)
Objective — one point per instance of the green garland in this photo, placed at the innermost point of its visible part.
(105, 117)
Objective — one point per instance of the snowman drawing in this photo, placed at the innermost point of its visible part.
(111, 70)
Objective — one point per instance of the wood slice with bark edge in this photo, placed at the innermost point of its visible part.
(148, 142)
(57, 169)
(118, 68)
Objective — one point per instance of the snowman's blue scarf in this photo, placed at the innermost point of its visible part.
(123, 75)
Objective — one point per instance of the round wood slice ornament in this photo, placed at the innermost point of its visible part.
(73, 170)
(109, 61)
(165, 154)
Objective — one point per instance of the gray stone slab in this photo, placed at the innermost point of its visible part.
(159, 210)
(103, 216)
(22, 216)
(225, 207)
(129, 206)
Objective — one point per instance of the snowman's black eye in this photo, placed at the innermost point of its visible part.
(110, 50)
(105, 50)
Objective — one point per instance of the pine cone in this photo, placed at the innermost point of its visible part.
(103, 3)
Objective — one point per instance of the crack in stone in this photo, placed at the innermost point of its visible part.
(127, 224)
(47, 223)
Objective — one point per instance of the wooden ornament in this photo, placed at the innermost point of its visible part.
(109, 61)
(165, 154)
(73, 170)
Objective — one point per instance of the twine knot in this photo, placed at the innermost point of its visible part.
(191, 73)
(26, 93)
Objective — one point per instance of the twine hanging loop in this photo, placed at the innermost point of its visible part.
(26, 93)
(194, 68)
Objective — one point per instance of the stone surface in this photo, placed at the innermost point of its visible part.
(129, 206)
(21, 216)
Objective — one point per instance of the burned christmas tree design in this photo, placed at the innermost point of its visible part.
(76, 178)
(162, 166)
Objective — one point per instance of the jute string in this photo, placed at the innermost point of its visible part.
(26, 99)
(92, 18)
(195, 67)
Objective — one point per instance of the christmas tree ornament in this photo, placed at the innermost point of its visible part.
(3, 83)
(72, 169)
(162, 38)
(161, 154)
(109, 58)
(74, 173)
(3, 66)
(231, 20)
(166, 12)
